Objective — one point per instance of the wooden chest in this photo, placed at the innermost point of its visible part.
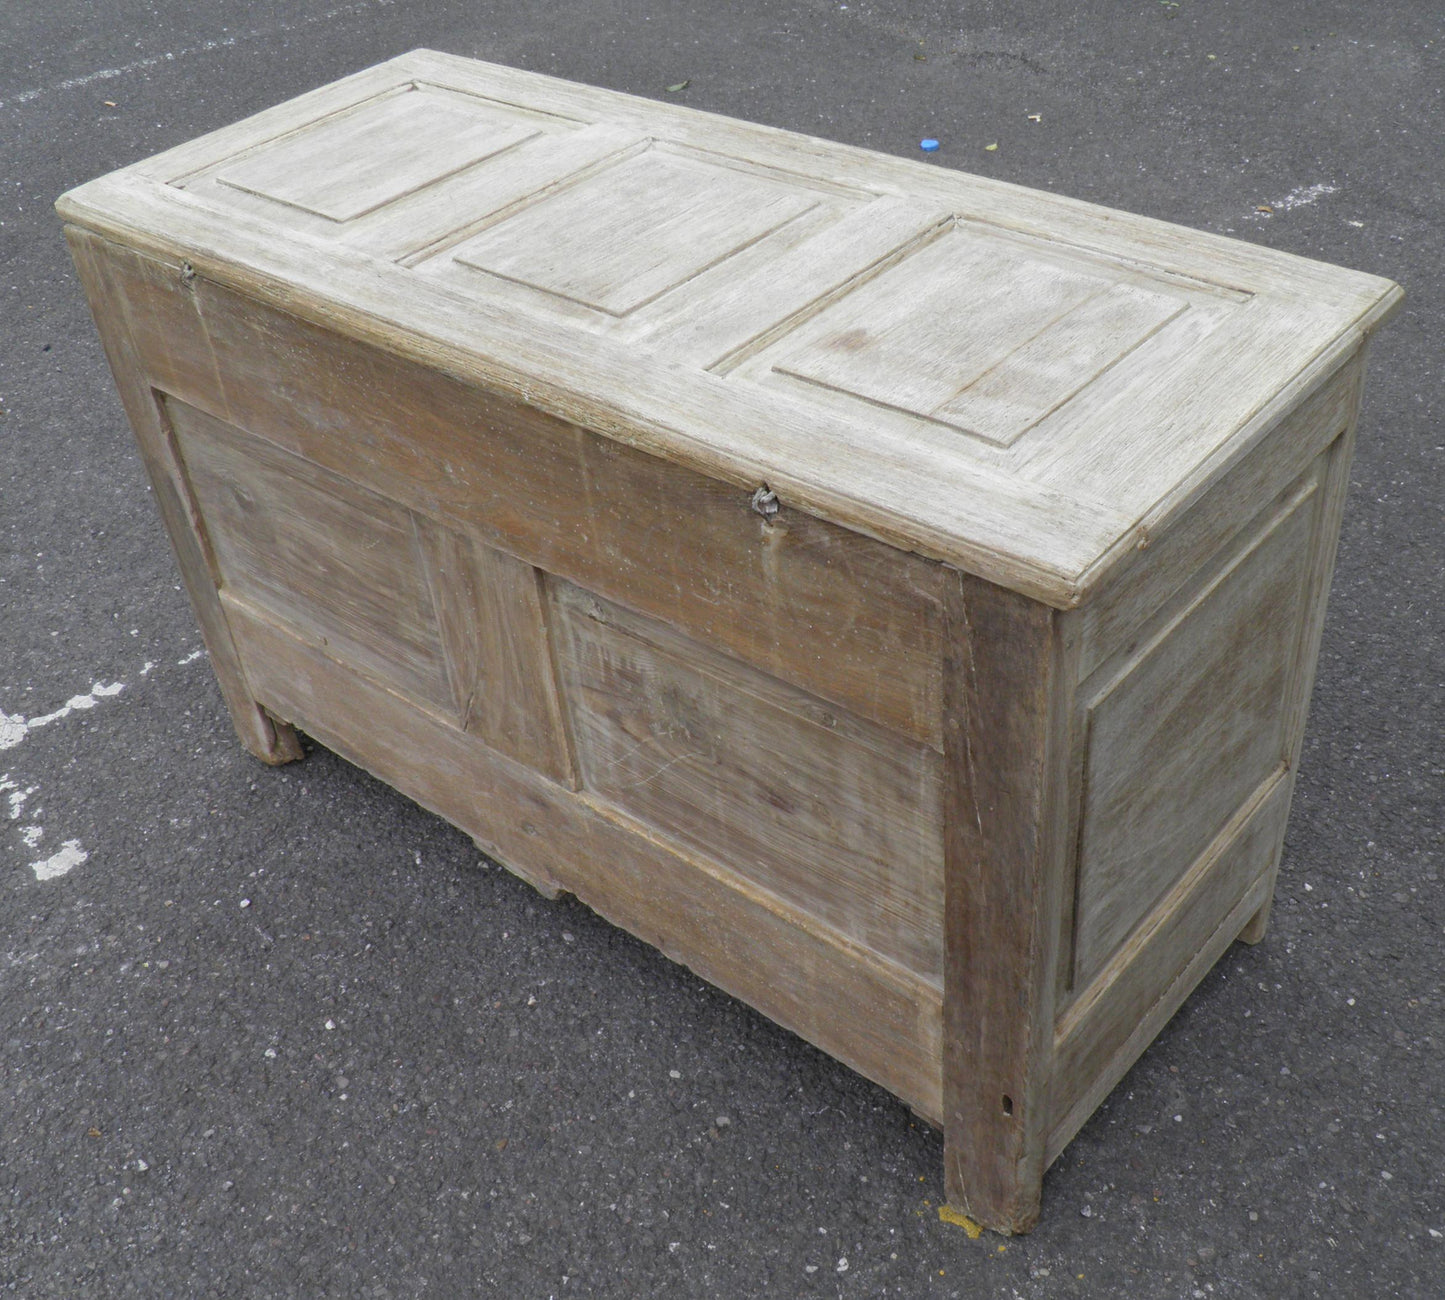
(893, 594)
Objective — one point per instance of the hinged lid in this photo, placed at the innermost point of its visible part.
(1006, 380)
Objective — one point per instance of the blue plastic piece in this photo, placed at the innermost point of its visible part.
(928, 146)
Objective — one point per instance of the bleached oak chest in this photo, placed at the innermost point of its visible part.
(892, 593)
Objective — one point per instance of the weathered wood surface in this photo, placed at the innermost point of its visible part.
(1162, 564)
(109, 304)
(353, 163)
(1334, 480)
(1035, 334)
(546, 240)
(893, 593)
(870, 1013)
(1005, 823)
(319, 551)
(797, 597)
(492, 615)
(1186, 729)
(839, 817)
(665, 219)
(1109, 1025)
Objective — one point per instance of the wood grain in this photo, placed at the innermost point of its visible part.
(869, 1013)
(796, 597)
(631, 232)
(739, 309)
(493, 622)
(352, 163)
(1186, 730)
(1004, 885)
(1334, 477)
(1034, 334)
(836, 816)
(319, 552)
(1106, 1029)
(259, 733)
(1162, 564)
(1035, 378)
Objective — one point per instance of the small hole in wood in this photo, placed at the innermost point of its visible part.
(1008, 1104)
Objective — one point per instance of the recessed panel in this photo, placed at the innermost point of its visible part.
(973, 333)
(630, 232)
(325, 556)
(1189, 732)
(351, 164)
(840, 818)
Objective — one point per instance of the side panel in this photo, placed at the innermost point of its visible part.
(1108, 1026)
(1186, 730)
(1187, 742)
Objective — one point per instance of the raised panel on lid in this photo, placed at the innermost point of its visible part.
(353, 163)
(1014, 383)
(628, 233)
(971, 333)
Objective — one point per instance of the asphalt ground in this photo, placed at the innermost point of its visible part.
(282, 1033)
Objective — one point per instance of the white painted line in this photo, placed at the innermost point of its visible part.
(205, 47)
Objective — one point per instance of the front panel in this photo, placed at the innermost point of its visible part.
(568, 634)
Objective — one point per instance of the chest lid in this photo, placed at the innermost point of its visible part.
(1007, 380)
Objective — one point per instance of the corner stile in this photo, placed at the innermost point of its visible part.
(1005, 829)
(269, 739)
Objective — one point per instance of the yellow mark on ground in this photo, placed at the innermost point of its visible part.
(949, 1215)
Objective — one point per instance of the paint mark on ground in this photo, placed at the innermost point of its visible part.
(948, 1214)
(14, 795)
(190, 658)
(14, 727)
(1299, 197)
(205, 47)
(97, 692)
(57, 864)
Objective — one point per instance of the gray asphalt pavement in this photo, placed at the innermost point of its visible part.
(281, 1033)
